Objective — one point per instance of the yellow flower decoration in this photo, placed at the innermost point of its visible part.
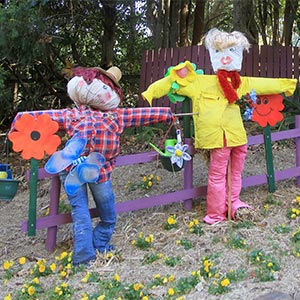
(183, 73)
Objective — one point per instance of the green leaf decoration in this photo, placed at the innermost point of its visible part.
(175, 85)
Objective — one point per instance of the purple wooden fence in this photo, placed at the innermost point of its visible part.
(265, 61)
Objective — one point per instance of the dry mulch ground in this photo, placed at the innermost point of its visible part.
(216, 241)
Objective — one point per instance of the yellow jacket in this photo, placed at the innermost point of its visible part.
(217, 118)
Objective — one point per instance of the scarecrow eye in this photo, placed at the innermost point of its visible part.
(105, 87)
(217, 51)
(232, 49)
(265, 101)
(258, 102)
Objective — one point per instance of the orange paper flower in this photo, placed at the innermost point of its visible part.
(35, 136)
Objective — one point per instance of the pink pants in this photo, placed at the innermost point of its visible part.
(217, 194)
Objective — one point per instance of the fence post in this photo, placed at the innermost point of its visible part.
(269, 158)
(188, 167)
(297, 141)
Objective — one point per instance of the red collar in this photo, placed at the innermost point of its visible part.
(229, 82)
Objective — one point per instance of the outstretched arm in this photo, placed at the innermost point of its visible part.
(269, 86)
(56, 115)
(158, 89)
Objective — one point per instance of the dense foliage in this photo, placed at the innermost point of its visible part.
(37, 37)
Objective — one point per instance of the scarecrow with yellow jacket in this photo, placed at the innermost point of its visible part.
(217, 119)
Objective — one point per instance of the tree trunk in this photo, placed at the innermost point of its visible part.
(183, 35)
(198, 28)
(290, 12)
(165, 20)
(243, 19)
(275, 29)
(109, 25)
(174, 22)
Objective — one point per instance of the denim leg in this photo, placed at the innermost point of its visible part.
(105, 202)
(82, 225)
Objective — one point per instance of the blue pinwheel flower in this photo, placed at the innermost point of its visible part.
(83, 169)
(179, 154)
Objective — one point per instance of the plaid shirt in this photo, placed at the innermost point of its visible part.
(103, 129)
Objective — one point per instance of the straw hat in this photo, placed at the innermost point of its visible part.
(114, 73)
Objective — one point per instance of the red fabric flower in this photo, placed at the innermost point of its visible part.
(35, 136)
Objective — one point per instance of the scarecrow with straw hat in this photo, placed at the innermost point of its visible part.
(94, 126)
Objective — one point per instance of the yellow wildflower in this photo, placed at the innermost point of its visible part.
(225, 282)
(117, 278)
(35, 280)
(6, 265)
(86, 277)
(171, 292)
(53, 267)
(158, 178)
(101, 297)
(191, 224)
(171, 278)
(136, 287)
(298, 199)
(171, 220)
(22, 260)
(31, 290)
(7, 297)
(63, 274)
(85, 296)
(144, 178)
(63, 255)
(270, 264)
(42, 268)
(58, 290)
(150, 183)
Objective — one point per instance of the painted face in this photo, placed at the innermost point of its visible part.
(229, 59)
(96, 94)
(267, 110)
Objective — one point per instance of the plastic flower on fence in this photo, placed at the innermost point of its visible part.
(35, 136)
(179, 154)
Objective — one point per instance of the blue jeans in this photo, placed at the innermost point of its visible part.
(86, 240)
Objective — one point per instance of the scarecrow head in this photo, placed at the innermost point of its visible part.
(226, 49)
(95, 87)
